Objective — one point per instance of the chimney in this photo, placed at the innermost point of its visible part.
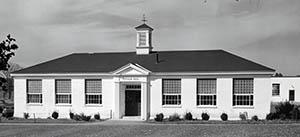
(157, 58)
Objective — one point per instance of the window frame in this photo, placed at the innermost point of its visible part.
(273, 84)
(165, 96)
(235, 102)
(69, 95)
(212, 95)
(28, 93)
(89, 94)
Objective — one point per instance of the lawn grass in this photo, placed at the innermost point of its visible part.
(152, 130)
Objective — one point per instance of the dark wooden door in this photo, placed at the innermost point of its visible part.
(132, 103)
(292, 95)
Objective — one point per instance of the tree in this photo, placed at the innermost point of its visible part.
(7, 48)
(8, 86)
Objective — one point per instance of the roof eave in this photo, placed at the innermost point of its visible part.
(152, 73)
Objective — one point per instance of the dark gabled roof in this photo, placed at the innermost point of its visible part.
(168, 61)
(144, 26)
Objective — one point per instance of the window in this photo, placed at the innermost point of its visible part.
(63, 91)
(133, 87)
(243, 92)
(206, 92)
(142, 38)
(275, 89)
(34, 91)
(171, 89)
(93, 91)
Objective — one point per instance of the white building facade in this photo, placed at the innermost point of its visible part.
(285, 89)
(144, 84)
(151, 94)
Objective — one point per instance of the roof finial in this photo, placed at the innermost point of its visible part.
(144, 19)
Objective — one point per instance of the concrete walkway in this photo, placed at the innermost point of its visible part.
(122, 128)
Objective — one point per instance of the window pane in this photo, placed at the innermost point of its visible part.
(206, 86)
(34, 98)
(63, 86)
(34, 86)
(244, 100)
(66, 99)
(243, 86)
(171, 99)
(93, 99)
(93, 86)
(171, 86)
(206, 99)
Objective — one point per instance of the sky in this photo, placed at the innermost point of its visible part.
(264, 31)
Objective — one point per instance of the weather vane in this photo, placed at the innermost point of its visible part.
(144, 19)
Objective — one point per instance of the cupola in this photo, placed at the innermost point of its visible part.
(144, 37)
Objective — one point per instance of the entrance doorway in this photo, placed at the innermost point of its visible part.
(291, 95)
(133, 100)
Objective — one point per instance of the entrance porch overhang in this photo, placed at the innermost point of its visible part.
(129, 75)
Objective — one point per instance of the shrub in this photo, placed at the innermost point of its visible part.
(224, 116)
(1, 109)
(97, 116)
(283, 117)
(272, 116)
(77, 117)
(26, 115)
(81, 117)
(243, 116)
(159, 117)
(8, 113)
(55, 115)
(174, 117)
(71, 114)
(285, 110)
(205, 116)
(295, 113)
(254, 118)
(188, 116)
(85, 118)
